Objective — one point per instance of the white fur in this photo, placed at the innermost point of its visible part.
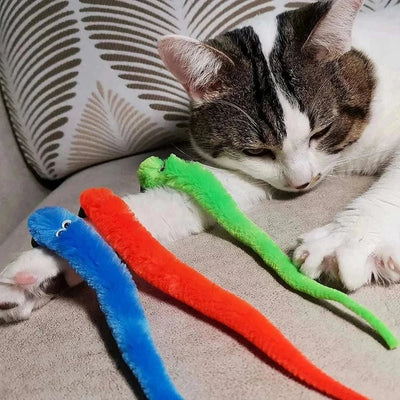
(41, 264)
(298, 160)
(170, 215)
(294, 162)
(363, 241)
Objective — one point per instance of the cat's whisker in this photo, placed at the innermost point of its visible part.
(364, 156)
(187, 156)
(251, 121)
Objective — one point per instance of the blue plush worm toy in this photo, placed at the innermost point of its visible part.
(95, 261)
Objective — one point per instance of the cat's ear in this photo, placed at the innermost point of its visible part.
(195, 64)
(331, 37)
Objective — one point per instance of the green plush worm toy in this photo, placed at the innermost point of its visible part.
(193, 179)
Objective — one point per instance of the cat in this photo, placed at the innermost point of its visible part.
(285, 100)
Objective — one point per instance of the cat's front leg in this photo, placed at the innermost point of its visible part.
(171, 215)
(363, 241)
(38, 275)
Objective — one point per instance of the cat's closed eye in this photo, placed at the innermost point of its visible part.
(260, 153)
(321, 133)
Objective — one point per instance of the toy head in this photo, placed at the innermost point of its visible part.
(48, 225)
(150, 173)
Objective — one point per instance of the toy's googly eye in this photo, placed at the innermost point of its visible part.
(66, 223)
(59, 232)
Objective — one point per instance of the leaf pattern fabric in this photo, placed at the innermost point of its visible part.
(82, 80)
(105, 130)
(39, 61)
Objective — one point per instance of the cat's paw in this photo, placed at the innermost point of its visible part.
(353, 250)
(30, 282)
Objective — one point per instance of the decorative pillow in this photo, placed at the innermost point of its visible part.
(82, 79)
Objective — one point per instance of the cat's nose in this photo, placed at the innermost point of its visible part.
(301, 187)
(314, 179)
(294, 185)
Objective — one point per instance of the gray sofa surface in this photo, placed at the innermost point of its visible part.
(65, 351)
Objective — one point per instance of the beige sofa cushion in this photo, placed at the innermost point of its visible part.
(66, 350)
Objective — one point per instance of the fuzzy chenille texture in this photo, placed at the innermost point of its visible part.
(73, 239)
(146, 257)
(193, 179)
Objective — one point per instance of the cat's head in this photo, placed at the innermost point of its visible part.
(279, 100)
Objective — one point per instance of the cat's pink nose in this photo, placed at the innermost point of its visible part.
(293, 185)
(314, 179)
(301, 187)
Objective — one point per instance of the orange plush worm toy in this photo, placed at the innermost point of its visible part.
(146, 257)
